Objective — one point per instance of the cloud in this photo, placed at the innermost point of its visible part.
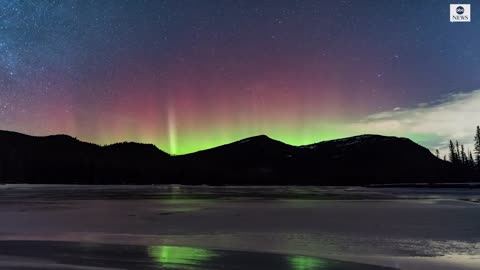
(430, 124)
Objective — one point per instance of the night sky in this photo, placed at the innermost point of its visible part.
(188, 75)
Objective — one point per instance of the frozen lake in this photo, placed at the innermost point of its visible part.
(177, 227)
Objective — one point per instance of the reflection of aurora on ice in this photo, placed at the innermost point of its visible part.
(306, 263)
(198, 258)
(62, 255)
(170, 256)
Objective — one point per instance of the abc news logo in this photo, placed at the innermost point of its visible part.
(460, 13)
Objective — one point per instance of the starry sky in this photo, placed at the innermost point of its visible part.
(188, 75)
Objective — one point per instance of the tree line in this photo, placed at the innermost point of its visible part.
(459, 156)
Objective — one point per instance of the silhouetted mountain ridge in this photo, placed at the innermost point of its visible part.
(363, 159)
(64, 159)
(258, 160)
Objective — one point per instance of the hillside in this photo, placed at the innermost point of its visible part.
(259, 160)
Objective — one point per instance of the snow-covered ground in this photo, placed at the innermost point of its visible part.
(402, 228)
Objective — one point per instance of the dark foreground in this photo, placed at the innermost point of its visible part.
(69, 255)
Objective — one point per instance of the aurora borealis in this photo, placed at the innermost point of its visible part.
(189, 75)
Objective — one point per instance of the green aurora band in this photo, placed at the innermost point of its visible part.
(185, 257)
(306, 263)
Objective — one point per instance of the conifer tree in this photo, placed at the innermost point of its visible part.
(477, 147)
(471, 160)
(453, 152)
(463, 156)
(457, 149)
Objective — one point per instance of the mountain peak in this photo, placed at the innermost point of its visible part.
(256, 138)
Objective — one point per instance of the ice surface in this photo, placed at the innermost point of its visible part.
(403, 228)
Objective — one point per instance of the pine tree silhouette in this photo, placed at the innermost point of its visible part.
(477, 147)
(463, 156)
(471, 160)
(457, 148)
(453, 153)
